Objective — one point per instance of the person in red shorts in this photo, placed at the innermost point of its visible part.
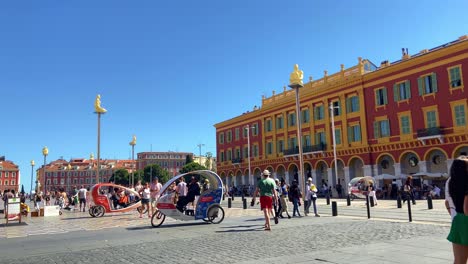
(266, 188)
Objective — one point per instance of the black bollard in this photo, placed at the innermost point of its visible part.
(244, 203)
(371, 198)
(328, 199)
(367, 205)
(229, 202)
(429, 202)
(409, 212)
(224, 196)
(334, 209)
(398, 201)
(348, 200)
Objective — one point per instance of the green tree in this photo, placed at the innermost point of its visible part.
(209, 155)
(188, 159)
(192, 166)
(120, 177)
(154, 170)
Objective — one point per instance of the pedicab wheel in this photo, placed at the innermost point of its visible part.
(99, 211)
(206, 220)
(91, 211)
(157, 219)
(216, 214)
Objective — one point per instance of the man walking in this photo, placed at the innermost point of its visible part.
(266, 188)
(82, 197)
(155, 193)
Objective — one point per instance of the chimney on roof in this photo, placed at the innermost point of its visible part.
(405, 55)
(2, 158)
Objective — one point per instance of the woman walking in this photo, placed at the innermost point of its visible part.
(296, 198)
(458, 193)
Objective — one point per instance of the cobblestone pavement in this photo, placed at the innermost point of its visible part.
(242, 240)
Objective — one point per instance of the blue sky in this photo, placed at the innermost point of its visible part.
(167, 71)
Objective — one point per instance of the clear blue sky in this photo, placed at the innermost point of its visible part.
(167, 71)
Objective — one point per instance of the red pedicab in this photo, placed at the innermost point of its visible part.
(103, 203)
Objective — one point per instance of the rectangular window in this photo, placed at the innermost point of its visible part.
(229, 136)
(279, 122)
(237, 133)
(6, 182)
(352, 104)
(354, 133)
(381, 96)
(13, 182)
(268, 125)
(7, 174)
(269, 148)
(292, 119)
(336, 108)
(238, 154)
(381, 129)
(280, 146)
(320, 138)
(431, 118)
(14, 174)
(255, 129)
(221, 138)
(306, 141)
(338, 136)
(246, 152)
(229, 155)
(292, 143)
(222, 156)
(255, 150)
(405, 125)
(427, 84)
(460, 117)
(305, 116)
(245, 132)
(455, 77)
(402, 91)
(319, 113)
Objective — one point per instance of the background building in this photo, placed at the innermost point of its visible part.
(170, 161)
(208, 162)
(9, 175)
(403, 118)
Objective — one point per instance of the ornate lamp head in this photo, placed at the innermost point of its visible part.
(45, 151)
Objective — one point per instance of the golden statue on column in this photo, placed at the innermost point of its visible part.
(97, 105)
(133, 142)
(296, 77)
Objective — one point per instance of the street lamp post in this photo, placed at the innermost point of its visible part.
(199, 147)
(32, 171)
(332, 108)
(45, 152)
(133, 143)
(99, 111)
(295, 82)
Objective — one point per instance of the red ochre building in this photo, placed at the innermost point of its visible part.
(79, 171)
(407, 117)
(9, 175)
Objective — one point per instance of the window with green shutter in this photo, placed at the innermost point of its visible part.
(427, 84)
(354, 133)
(338, 136)
(381, 96)
(279, 122)
(269, 148)
(336, 108)
(268, 125)
(401, 91)
(305, 116)
(319, 113)
(460, 116)
(405, 125)
(237, 133)
(455, 77)
(280, 147)
(306, 141)
(292, 119)
(431, 118)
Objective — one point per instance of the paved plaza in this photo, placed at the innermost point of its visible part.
(386, 238)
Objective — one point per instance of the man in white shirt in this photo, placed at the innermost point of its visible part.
(82, 197)
(155, 189)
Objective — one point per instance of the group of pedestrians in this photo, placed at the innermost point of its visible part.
(274, 196)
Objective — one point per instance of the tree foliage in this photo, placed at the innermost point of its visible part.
(192, 166)
(154, 170)
(120, 177)
(188, 159)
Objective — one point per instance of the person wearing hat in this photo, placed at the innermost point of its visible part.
(266, 189)
(206, 185)
(311, 197)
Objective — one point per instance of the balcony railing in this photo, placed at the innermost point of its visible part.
(238, 160)
(306, 149)
(432, 131)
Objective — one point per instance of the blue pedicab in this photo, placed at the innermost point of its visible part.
(206, 206)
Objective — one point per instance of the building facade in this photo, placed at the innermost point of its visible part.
(79, 171)
(170, 161)
(208, 162)
(403, 118)
(9, 175)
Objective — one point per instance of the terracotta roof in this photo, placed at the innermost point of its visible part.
(8, 165)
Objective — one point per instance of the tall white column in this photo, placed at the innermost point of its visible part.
(449, 164)
(314, 176)
(397, 167)
(346, 174)
(367, 170)
(286, 177)
(422, 166)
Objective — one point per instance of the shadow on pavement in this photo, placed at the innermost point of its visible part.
(167, 225)
(14, 224)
